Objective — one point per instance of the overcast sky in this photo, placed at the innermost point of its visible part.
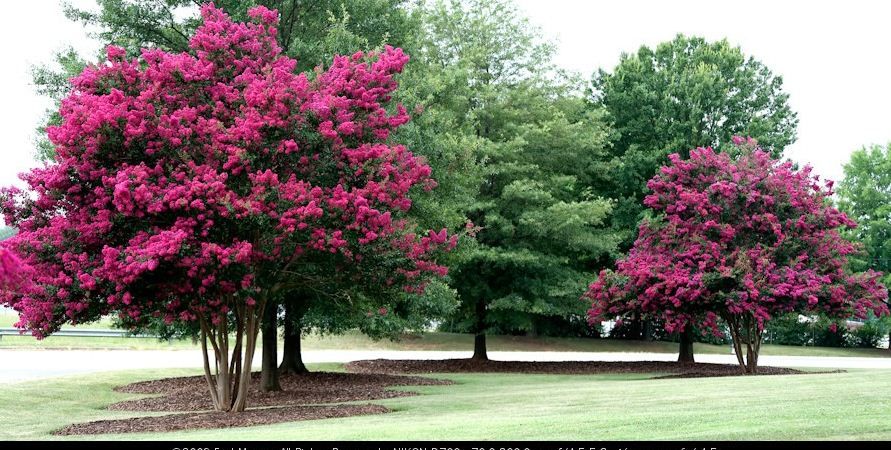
(834, 58)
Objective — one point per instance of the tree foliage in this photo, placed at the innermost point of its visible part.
(312, 33)
(740, 239)
(538, 227)
(15, 276)
(198, 186)
(685, 94)
(865, 195)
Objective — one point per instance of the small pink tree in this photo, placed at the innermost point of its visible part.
(739, 239)
(198, 186)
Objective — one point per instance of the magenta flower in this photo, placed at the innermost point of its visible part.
(194, 186)
(741, 239)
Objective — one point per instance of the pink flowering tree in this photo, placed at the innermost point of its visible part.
(15, 276)
(738, 239)
(197, 187)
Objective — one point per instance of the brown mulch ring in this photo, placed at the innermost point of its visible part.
(299, 399)
(191, 393)
(193, 421)
(672, 369)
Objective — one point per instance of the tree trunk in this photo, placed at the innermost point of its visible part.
(292, 360)
(745, 330)
(533, 329)
(648, 333)
(685, 350)
(252, 330)
(736, 340)
(634, 329)
(479, 340)
(751, 364)
(269, 373)
(230, 377)
(479, 347)
(753, 350)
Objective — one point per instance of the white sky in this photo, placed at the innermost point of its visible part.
(834, 58)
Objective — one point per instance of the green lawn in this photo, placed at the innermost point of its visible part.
(854, 405)
(7, 320)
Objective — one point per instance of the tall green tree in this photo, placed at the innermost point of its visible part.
(539, 228)
(865, 195)
(683, 94)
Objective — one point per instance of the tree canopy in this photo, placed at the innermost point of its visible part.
(198, 186)
(742, 240)
(684, 94)
(312, 33)
(865, 195)
(538, 227)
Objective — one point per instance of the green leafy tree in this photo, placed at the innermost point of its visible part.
(865, 195)
(539, 228)
(683, 94)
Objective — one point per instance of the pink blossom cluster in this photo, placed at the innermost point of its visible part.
(737, 236)
(14, 274)
(185, 183)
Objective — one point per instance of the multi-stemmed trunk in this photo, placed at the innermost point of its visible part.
(269, 379)
(745, 331)
(479, 339)
(685, 348)
(230, 378)
(292, 360)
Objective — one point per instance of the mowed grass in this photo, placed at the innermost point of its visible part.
(854, 405)
(8, 320)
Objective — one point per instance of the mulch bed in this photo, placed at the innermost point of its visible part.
(191, 393)
(299, 399)
(193, 421)
(672, 369)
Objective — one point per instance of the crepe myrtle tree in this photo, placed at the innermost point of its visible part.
(196, 187)
(682, 94)
(311, 33)
(739, 239)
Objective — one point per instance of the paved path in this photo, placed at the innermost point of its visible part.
(22, 365)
